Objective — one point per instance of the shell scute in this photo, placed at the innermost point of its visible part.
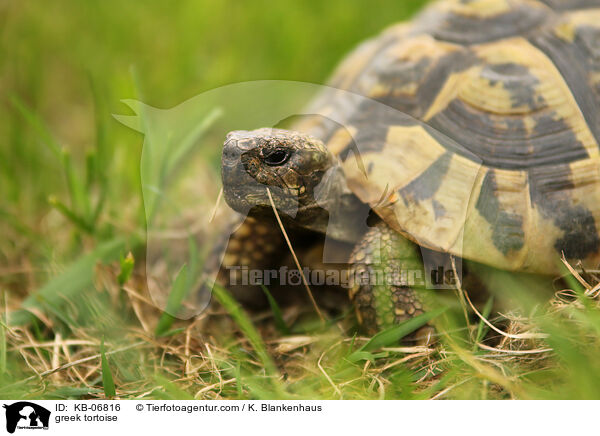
(483, 130)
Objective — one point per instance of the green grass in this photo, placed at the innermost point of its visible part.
(72, 221)
(107, 379)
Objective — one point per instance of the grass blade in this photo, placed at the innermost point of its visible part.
(176, 296)
(3, 347)
(245, 324)
(482, 328)
(70, 214)
(127, 264)
(101, 118)
(277, 315)
(186, 144)
(38, 126)
(170, 390)
(3, 342)
(394, 334)
(80, 198)
(75, 279)
(107, 379)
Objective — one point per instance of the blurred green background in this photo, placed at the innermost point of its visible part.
(65, 65)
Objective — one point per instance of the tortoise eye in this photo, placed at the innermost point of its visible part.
(277, 156)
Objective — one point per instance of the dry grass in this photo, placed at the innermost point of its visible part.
(211, 357)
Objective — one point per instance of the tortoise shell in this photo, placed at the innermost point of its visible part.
(500, 163)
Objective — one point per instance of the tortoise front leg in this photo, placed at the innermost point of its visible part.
(257, 245)
(389, 280)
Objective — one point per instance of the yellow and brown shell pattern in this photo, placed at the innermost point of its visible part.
(503, 164)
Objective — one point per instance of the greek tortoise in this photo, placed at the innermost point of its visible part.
(477, 135)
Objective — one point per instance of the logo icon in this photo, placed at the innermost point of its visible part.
(26, 415)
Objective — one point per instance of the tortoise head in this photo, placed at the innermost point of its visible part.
(290, 164)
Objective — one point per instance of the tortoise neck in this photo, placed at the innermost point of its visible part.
(333, 208)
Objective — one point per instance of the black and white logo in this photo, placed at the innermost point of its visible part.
(26, 415)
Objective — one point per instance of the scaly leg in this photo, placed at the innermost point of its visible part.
(255, 245)
(389, 278)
